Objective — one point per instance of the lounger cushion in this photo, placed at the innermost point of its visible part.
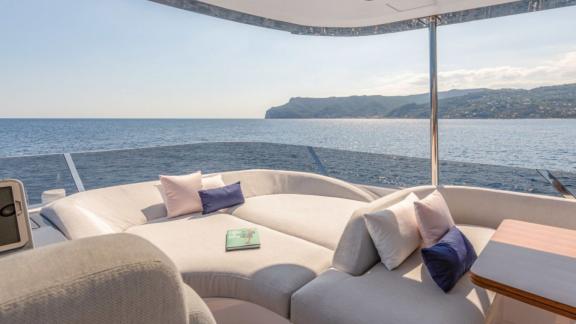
(318, 219)
(405, 295)
(267, 276)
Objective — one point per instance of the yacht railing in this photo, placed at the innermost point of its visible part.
(81, 171)
(557, 184)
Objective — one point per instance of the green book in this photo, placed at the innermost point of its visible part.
(242, 239)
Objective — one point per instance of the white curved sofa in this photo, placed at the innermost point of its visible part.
(317, 263)
(359, 289)
(300, 218)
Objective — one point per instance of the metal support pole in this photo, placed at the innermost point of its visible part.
(434, 167)
(74, 172)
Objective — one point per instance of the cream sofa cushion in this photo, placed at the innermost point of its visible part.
(394, 231)
(318, 219)
(267, 276)
(405, 295)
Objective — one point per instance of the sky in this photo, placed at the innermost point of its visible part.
(139, 59)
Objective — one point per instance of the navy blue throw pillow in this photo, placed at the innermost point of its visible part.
(223, 197)
(449, 259)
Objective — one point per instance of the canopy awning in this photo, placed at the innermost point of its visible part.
(368, 17)
(358, 17)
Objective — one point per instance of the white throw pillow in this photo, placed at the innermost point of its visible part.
(394, 231)
(434, 218)
(181, 193)
(212, 182)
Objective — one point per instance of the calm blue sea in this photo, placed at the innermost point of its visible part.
(548, 144)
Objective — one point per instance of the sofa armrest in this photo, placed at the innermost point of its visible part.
(75, 221)
(117, 278)
(489, 207)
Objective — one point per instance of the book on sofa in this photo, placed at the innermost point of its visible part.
(242, 239)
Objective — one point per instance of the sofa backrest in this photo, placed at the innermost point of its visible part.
(117, 278)
(356, 253)
(269, 182)
(115, 209)
(489, 207)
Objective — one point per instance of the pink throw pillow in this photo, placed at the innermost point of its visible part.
(434, 218)
(181, 193)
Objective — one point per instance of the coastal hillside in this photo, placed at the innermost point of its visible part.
(544, 102)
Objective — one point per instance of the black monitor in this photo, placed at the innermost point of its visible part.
(14, 222)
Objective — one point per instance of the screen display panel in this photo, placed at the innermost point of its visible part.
(8, 223)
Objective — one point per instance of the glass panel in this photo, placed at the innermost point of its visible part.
(517, 102)
(375, 169)
(38, 173)
(500, 177)
(101, 169)
(108, 168)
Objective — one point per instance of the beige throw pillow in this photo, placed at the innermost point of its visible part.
(434, 218)
(212, 182)
(181, 193)
(394, 231)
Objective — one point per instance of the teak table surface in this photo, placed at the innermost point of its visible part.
(532, 263)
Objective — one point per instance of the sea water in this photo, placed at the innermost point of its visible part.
(530, 143)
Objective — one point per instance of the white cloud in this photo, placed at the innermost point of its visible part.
(552, 72)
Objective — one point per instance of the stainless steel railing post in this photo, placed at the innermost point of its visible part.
(434, 167)
(74, 172)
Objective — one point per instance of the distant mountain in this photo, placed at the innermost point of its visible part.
(544, 102)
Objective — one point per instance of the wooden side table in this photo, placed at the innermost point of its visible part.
(532, 263)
